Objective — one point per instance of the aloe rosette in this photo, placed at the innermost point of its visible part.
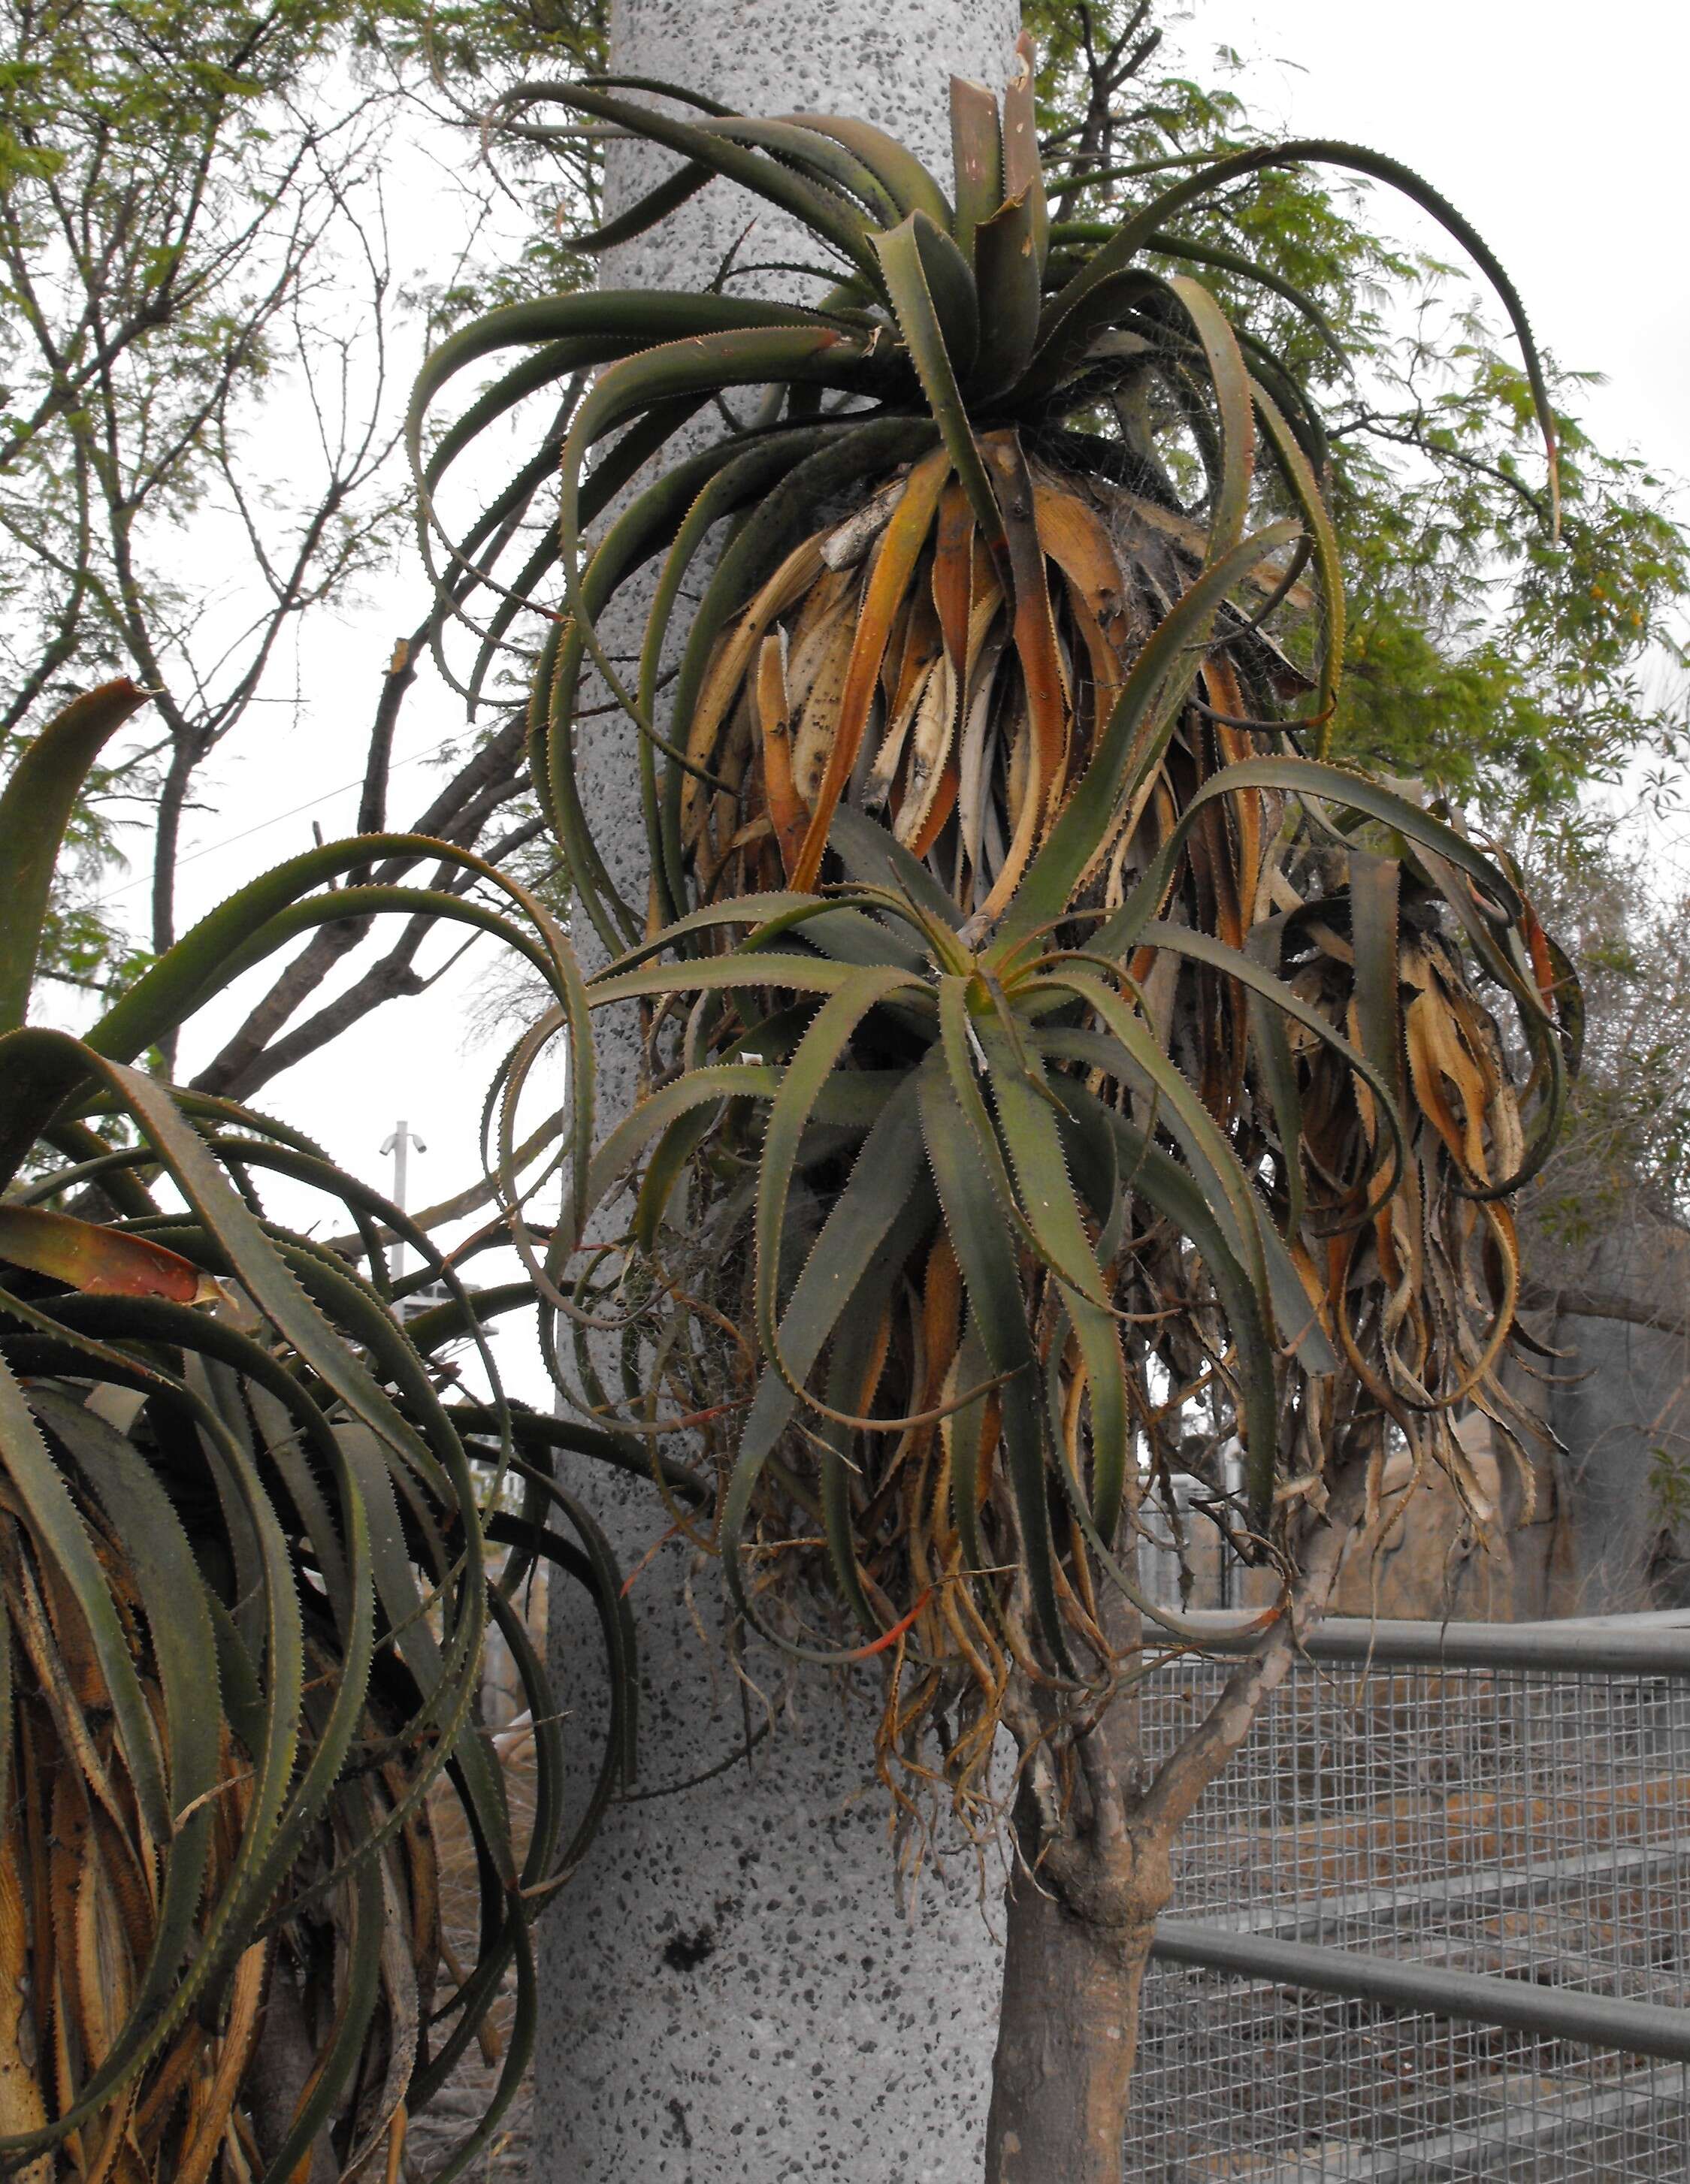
(247, 1559)
(1001, 405)
(1053, 1053)
(1032, 1242)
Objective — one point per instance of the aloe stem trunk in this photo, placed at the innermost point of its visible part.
(1095, 1871)
(1067, 2037)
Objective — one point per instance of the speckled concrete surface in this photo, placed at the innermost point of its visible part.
(729, 1989)
(732, 1989)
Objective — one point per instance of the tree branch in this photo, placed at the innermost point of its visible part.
(1589, 1301)
(1188, 1771)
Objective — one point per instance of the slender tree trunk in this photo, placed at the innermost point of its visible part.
(1067, 2029)
(1091, 1878)
(1095, 1872)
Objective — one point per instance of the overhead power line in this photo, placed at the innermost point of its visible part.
(276, 819)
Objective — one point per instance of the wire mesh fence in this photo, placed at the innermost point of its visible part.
(1528, 1824)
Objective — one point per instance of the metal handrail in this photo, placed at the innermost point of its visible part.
(1556, 2012)
(1655, 1644)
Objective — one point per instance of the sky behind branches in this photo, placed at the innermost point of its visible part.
(1560, 131)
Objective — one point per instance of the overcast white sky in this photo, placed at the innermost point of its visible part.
(1560, 132)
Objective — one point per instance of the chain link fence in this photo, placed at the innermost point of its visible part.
(1490, 1827)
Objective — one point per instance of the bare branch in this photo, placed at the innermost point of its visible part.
(1585, 1301)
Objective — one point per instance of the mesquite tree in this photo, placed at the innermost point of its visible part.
(208, 336)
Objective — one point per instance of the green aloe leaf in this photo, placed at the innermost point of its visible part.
(1375, 888)
(550, 365)
(904, 266)
(1022, 175)
(1217, 1164)
(1133, 235)
(658, 516)
(1300, 1330)
(775, 910)
(1246, 1301)
(977, 161)
(174, 1598)
(1196, 252)
(1381, 1076)
(820, 210)
(619, 466)
(856, 1335)
(1028, 1113)
(574, 332)
(705, 1087)
(873, 854)
(1062, 353)
(806, 974)
(1271, 1045)
(683, 94)
(182, 978)
(1131, 741)
(54, 1519)
(1299, 1327)
(337, 2060)
(811, 1067)
(265, 1716)
(955, 299)
(1299, 474)
(817, 355)
(910, 187)
(1231, 383)
(646, 212)
(986, 1252)
(960, 1043)
(1330, 784)
(827, 161)
(35, 809)
(885, 1198)
(1006, 270)
(744, 482)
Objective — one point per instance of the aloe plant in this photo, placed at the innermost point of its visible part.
(245, 1569)
(1052, 1052)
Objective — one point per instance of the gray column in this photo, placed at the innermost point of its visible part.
(1620, 1403)
(730, 1989)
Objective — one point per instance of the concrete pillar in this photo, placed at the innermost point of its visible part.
(731, 1993)
(1620, 1405)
